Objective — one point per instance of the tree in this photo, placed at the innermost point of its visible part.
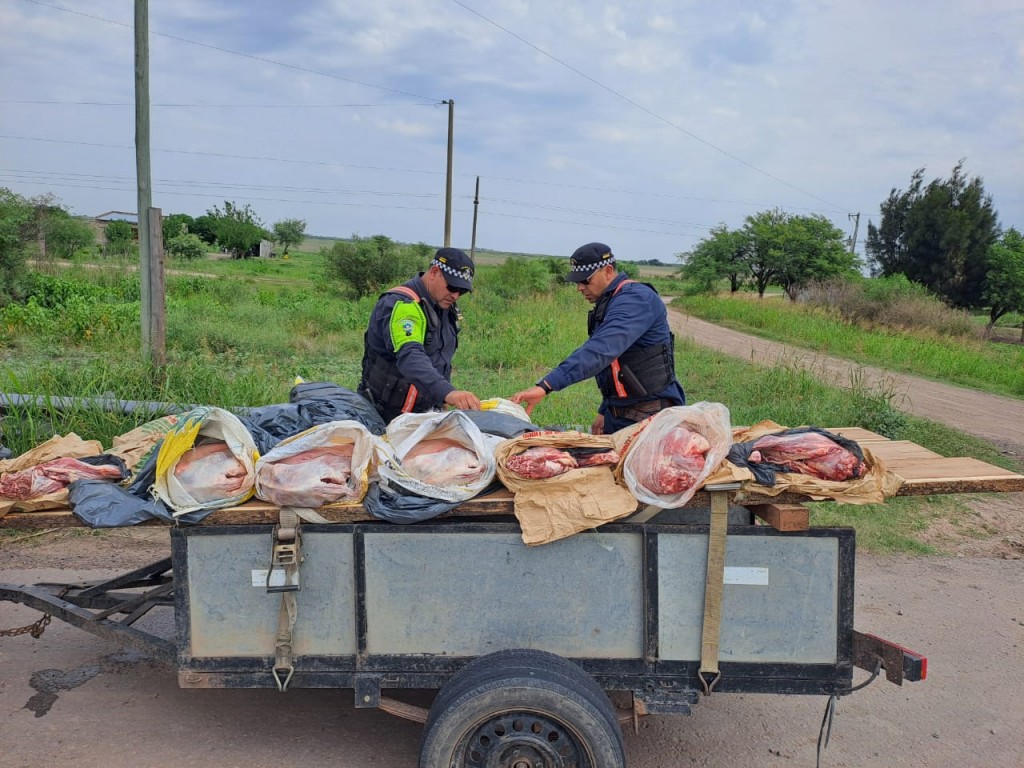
(289, 232)
(765, 256)
(66, 235)
(202, 227)
(16, 225)
(1004, 285)
(119, 237)
(812, 249)
(718, 257)
(177, 224)
(238, 229)
(938, 235)
(372, 264)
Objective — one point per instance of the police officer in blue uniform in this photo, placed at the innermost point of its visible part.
(630, 349)
(412, 337)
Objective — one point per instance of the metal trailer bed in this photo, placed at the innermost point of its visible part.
(522, 643)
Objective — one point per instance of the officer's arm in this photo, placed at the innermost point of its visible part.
(627, 319)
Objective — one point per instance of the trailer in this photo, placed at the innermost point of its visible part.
(539, 655)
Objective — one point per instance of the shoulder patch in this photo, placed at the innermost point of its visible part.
(408, 323)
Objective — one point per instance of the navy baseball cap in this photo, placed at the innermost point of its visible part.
(457, 267)
(587, 259)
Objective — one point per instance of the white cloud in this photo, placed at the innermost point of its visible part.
(806, 104)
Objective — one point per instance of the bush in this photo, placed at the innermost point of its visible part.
(520, 276)
(893, 302)
(187, 247)
(371, 265)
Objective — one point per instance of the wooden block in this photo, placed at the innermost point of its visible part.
(858, 434)
(784, 517)
(895, 451)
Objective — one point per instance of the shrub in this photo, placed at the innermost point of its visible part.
(893, 302)
(520, 276)
(185, 246)
(371, 265)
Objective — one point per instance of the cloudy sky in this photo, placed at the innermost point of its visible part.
(641, 123)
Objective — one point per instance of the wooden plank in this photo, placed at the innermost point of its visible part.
(784, 517)
(956, 475)
(893, 451)
(858, 434)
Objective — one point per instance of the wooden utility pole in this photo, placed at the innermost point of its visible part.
(144, 199)
(856, 226)
(448, 183)
(476, 203)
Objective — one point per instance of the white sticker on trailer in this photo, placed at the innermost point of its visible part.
(754, 577)
(259, 578)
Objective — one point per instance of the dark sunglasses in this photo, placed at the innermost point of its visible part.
(456, 291)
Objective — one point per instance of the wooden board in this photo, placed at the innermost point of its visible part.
(896, 451)
(858, 434)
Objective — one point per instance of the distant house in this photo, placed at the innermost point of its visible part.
(99, 223)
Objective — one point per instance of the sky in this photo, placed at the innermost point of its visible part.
(639, 124)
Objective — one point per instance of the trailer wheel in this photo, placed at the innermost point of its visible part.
(522, 709)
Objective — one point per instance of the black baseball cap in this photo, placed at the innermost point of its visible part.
(587, 259)
(457, 267)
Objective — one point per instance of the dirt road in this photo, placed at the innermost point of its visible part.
(999, 420)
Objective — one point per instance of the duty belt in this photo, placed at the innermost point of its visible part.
(640, 411)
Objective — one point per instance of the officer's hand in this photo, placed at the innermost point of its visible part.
(530, 396)
(463, 400)
(597, 428)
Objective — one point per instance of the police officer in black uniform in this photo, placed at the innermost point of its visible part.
(412, 337)
(630, 349)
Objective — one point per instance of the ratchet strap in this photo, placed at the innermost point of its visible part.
(286, 556)
(709, 673)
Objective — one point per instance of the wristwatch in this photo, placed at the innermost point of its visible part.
(543, 384)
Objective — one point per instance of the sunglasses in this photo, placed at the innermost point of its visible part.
(456, 291)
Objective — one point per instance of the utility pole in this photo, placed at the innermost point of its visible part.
(476, 202)
(150, 268)
(143, 175)
(448, 183)
(856, 226)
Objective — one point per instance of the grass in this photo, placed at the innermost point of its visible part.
(240, 340)
(990, 367)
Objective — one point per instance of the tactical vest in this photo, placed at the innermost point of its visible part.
(382, 384)
(639, 371)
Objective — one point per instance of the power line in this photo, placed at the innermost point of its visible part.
(328, 164)
(644, 109)
(251, 56)
(38, 102)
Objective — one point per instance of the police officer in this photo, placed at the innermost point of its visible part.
(412, 337)
(630, 349)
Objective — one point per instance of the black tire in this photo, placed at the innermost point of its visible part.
(522, 709)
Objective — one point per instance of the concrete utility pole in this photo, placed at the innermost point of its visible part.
(152, 309)
(856, 226)
(476, 203)
(448, 183)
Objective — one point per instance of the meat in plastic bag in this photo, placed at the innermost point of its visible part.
(210, 472)
(542, 461)
(677, 463)
(809, 453)
(443, 462)
(309, 479)
(53, 476)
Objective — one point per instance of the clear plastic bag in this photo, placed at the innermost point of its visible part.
(670, 455)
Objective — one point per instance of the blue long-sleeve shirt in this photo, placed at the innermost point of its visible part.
(636, 317)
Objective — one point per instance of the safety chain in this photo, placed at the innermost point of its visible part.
(35, 629)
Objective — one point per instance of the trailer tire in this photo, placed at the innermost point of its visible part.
(522, 708)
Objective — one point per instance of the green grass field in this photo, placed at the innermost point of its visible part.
(240, 339)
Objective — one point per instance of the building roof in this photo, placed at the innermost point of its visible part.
(131, 218)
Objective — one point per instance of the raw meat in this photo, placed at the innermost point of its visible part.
(52, 476)
(443, 462)
(677, 461)
(308, 479)
(809, 453)
(541, 461)
(210, 472)
(548, 461)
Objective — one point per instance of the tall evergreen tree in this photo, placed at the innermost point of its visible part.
(937, 235)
